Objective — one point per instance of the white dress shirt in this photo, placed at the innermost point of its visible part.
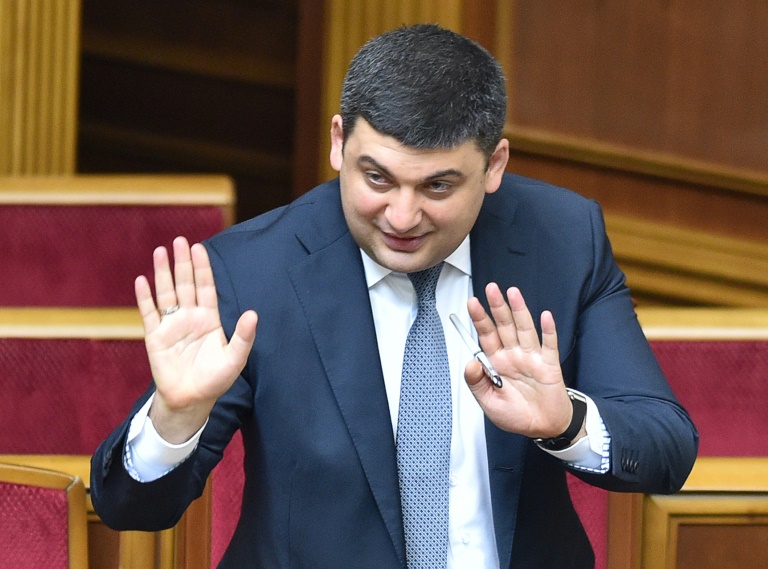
(472, 541)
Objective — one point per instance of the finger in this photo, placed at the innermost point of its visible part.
(164, 290)
(549, 351)
(183, 273)
(474, 374)
(486, 329)
(526, 330)
(205, 287)
(506, 324)
(149, 315)
(242, 340)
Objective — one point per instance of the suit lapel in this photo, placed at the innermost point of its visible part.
(331, 287)
(511, 266)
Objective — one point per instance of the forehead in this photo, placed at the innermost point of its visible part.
(367, 145)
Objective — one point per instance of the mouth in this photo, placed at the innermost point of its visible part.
(403, 244)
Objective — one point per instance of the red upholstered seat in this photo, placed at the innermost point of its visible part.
(42, 519)
(89, 255)
(591, 504)
(724, 386)
(71, 376)
(227, 494)
(716, 361)
(82, 240)
(63, 396)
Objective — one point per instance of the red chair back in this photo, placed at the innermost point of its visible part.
(82, 240)
(227, 495)
(42, 519)
(724, 386)
(73, 381)
(716, 361)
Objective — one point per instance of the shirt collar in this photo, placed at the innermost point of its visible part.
(460, 259)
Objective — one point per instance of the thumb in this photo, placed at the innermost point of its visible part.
(474, 375)
(242, 340)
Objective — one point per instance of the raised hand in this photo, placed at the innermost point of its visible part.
(191, 361)
(533, 400)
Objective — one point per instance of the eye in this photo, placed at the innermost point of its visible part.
(376, 179)
(439, 187)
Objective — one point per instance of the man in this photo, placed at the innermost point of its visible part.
(372, 437)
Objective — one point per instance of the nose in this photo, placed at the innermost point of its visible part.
(403, 212)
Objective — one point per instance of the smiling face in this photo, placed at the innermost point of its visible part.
(409, 209)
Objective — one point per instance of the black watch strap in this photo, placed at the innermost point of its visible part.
(565, 440)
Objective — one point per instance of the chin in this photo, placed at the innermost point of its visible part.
(399, 264)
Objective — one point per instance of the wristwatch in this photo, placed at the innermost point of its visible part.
(565, 440)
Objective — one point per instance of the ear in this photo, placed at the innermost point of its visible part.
(337, 143)
(497, 166)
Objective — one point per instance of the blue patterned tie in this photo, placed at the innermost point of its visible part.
(424, 431)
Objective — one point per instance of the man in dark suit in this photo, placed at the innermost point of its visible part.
(421, 190)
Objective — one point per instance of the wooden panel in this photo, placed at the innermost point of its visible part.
(725, 211)
(722, 212)
(207, 86)
(654, 109)
(689, 266)
(39, 59)
(721, 546)
(677, 76)
(251, 42)
(625, 519)
(719, 520)
(202, 190)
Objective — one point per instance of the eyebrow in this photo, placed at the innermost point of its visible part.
(450, 172)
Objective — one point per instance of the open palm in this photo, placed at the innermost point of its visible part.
(533, 400)
(191, 361)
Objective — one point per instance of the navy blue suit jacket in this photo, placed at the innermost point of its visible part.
(321, 478)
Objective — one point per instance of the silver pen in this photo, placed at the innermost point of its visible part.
(477, 352)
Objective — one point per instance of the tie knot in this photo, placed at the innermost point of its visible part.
(425, 283)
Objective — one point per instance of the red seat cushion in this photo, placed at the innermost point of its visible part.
(33, 527)
(64, 396)
(724, 386)
(228, 480)
(89, 255)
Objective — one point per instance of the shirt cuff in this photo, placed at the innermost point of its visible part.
(592, 452)
(147, 455)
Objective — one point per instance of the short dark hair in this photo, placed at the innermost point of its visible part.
(428, 87)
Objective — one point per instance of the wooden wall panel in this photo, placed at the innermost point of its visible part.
(192, 87)
(679, 76)
(39, 72)
(662, 198)
(718, 521)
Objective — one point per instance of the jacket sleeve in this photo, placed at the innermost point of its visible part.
(653, 440)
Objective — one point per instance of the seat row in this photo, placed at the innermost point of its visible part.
(71, 349)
